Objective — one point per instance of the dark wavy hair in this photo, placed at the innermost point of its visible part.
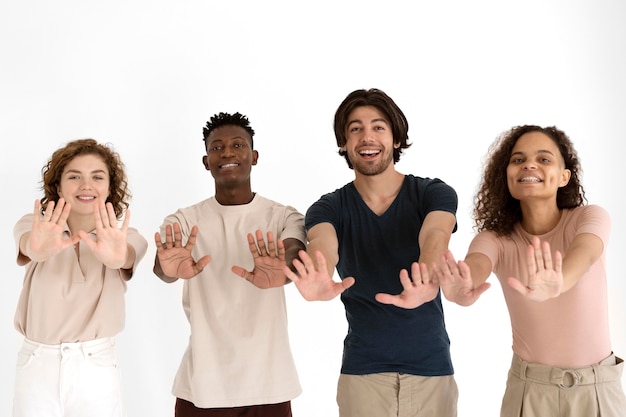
(381, 101)
(227, 119)
(119, 193)
(495, 208)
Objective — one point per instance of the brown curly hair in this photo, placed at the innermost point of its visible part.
(495, 208)
(119, 194)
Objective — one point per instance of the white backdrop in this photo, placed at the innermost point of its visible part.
(146, 75)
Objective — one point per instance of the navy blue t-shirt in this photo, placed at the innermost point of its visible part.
(373, 249)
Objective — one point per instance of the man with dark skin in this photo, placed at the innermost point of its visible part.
(238, 327)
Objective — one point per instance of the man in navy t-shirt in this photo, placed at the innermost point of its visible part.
(382, 232)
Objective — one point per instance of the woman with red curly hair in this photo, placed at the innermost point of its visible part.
(78, 260)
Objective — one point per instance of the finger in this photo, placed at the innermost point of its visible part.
(538, 254)
(65, 213)
(191, 240)
(157, 241)
(321, 262)
(547, 256)
(242, 272)
(102, 215)
(169, 238)
(422, 271)
(405, 280)
(290, 274)
(254, 250)
(47, 214)
(178, 237)
(517, 286)
(37, 212)
(531, 261)
(261, 243)
(271, 245)
(300, 268)
(281, 249)
(558, 262)
(111, 216)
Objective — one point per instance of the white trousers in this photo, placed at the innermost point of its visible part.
(68, 380)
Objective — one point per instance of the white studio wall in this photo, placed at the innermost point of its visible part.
(146, 76)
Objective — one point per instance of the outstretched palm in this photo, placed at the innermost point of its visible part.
(175, 259)
(269, 261)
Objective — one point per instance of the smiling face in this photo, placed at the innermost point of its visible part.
(84, 182)
(369, 143)
(230, 156)
(536, 168)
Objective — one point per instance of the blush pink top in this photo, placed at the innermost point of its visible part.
(571, 330)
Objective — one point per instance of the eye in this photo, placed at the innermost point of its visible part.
(215, 148)
(354, 129)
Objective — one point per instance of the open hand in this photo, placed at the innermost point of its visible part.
(109, 246)
(314, 282)
(455, 279)
(174, 258)
(46, 236)
(269, 262)
(417, 289)
(545, 275)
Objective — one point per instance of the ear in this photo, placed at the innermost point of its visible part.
(205, 162)
(255, 157)
(565, 177)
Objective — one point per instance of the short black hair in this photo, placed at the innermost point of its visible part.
(227, 119)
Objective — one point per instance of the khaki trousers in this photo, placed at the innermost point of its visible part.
(535, 390)
(397, 395)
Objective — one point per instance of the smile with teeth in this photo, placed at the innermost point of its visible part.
(369, 152)
(229, 166)
(530, 179)
(86, 197)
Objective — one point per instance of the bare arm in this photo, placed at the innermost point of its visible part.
(422, 287)
(434, 236)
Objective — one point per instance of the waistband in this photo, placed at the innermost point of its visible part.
(609, 369)
(87, 348)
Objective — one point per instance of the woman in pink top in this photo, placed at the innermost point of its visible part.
(547, 248)
(77, 262)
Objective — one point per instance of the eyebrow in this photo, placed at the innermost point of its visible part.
(75, 171)
(538, 152)
(380, 119)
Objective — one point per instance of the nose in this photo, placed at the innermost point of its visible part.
(85, 184)
(228, 151)
(529, 165)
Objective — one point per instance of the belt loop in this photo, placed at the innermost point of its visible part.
(522, 369)
(597, 373)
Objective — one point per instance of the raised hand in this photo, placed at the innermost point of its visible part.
(46, 236)
(314, 283)
(415, 291)
(545, 275)
(110, 245)
(269, 262)
(455, 280)
(174, 258)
